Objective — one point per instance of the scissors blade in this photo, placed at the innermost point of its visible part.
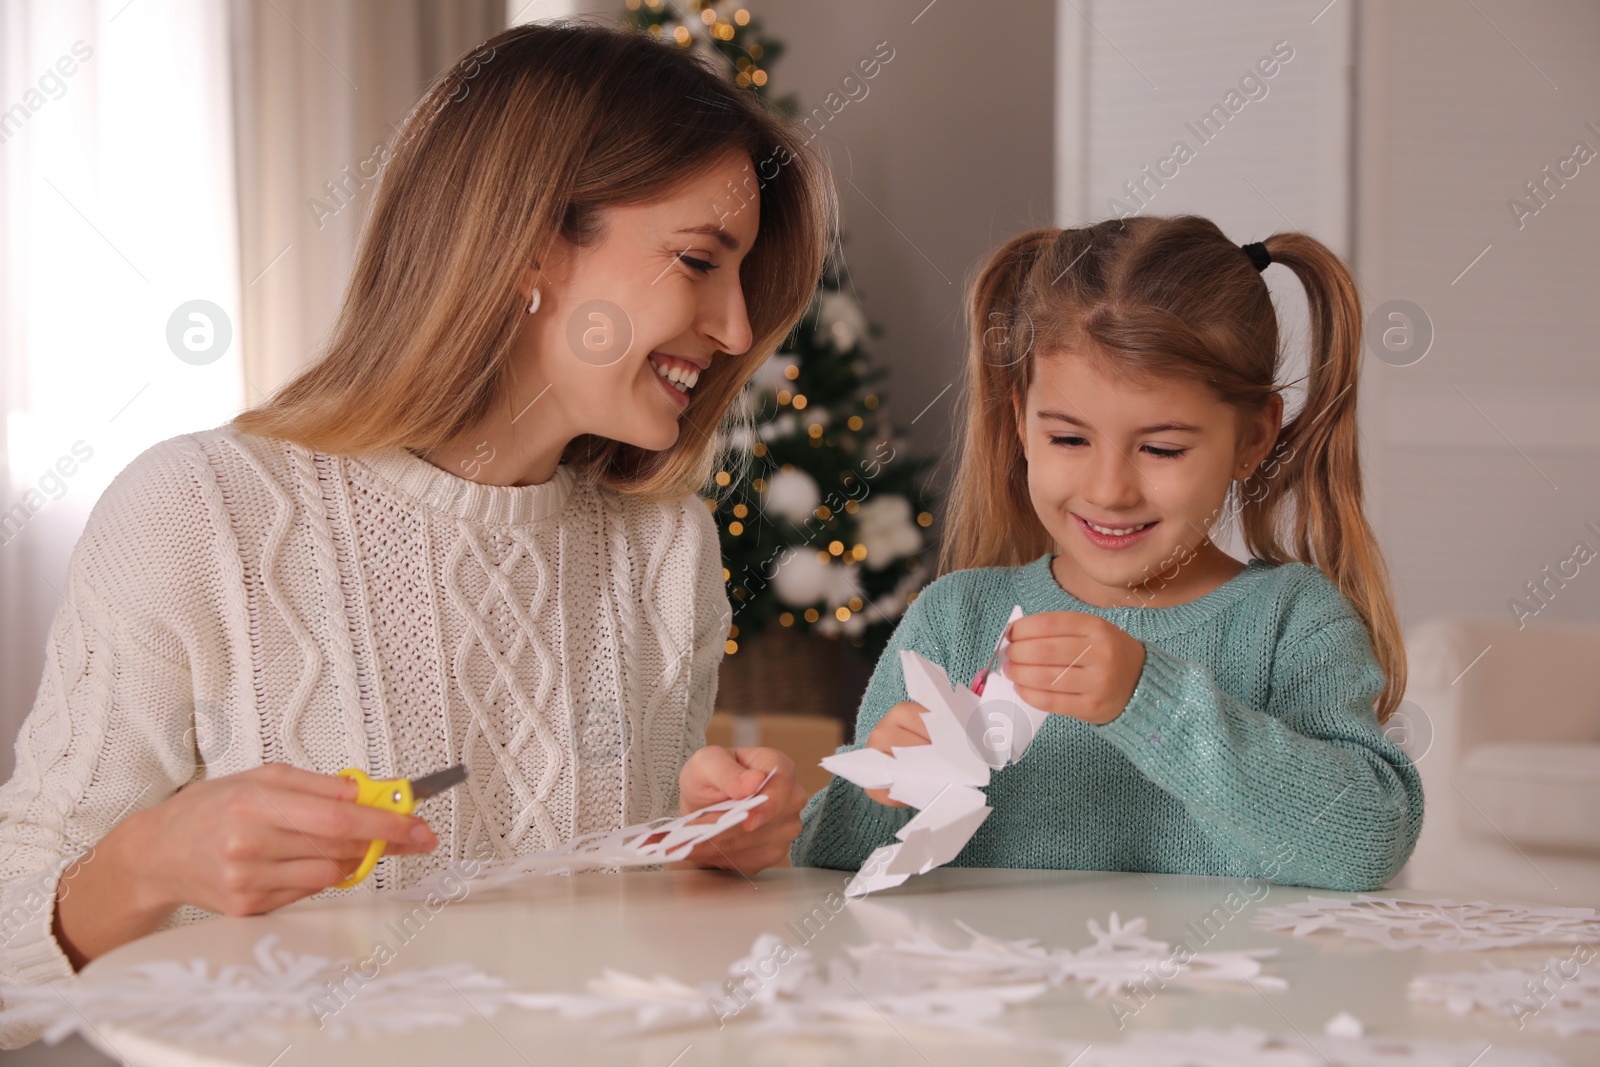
(981, 679)
(437, 782)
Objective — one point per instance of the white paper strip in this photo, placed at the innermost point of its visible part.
(641, 845)
(1403, 922)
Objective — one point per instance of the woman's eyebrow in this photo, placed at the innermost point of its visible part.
(712, 229)
(1161, 427)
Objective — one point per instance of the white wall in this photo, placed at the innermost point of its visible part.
(1489, 443)
(1396, 135)
(1135, 79)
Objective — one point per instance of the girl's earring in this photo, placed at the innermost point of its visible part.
(533, 304)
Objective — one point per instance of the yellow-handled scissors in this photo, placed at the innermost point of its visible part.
(395, 794)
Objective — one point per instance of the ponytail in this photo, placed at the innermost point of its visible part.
(991, 521)
(1321, 475)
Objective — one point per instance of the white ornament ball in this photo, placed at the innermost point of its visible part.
(888, 531)
(792, 495)
(770, 375)
(801, 579)
(842, 320)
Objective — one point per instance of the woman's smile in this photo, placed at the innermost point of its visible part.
(676, 376)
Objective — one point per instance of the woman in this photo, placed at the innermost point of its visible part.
(468, 534)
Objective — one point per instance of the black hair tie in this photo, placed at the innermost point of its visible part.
(1259, 256)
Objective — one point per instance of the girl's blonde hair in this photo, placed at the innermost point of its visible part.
(1173, 298)
(533, 134)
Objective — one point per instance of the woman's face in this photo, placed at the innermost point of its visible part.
(1105, 451)
(657, 295)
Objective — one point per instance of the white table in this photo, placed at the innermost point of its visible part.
(555, 934)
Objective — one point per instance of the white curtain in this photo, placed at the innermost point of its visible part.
(320, 86)
(117, 210)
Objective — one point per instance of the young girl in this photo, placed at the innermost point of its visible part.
(469, 534)
(1210, 716)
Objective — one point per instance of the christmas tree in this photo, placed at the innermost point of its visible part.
(824, 526)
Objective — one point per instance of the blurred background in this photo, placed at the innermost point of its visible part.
(184, 181)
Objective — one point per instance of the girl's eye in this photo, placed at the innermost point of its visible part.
(1159, 453)
(699, 265)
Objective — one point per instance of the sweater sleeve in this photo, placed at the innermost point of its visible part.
(841, 825)
(110, 732)
(113, 727)
(1308, 787)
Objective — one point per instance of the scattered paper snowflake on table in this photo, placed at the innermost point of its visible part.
(913, 979)
(644, 844)
(1403, 922)
(1245, 1047)
(1560, 995)
(243, 1002)
(779, 990)
(968, 737)
(1121, 958)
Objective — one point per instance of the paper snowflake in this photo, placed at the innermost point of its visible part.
(968, 737)
(1562, 994)
(1120, 959)
(644, 844)
(1245, 1047)
(238, 1002)
(1402, 922)
(780, 989)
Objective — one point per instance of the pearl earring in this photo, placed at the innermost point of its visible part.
(533, 304)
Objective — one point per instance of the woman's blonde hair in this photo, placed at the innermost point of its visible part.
(533, 134)
(1173, 298)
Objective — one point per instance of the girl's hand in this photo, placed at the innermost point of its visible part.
(714, 774)
(902, 725)
(1073, 663)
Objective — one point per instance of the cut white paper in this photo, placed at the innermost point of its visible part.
(1245, 1047)
(645, 844)
(968, 737)
(243, 1002)
(780, 989)
(1018, 718)
(1405, 922)
(1121, 958)
(1562, 994)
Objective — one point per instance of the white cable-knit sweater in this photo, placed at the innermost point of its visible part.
(236, 600)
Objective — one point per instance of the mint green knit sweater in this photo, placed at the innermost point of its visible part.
(1248, 748)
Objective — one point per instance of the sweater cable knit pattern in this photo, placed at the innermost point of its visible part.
(1249, 747)
(236, 600)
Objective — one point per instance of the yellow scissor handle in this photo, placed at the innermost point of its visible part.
(393, 794)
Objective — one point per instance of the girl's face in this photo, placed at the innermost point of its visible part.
(659, 292)
(1117, 455)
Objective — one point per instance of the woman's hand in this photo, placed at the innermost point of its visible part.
(239, 845)
(1073, 663)
(903, 726)
(714, 774)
